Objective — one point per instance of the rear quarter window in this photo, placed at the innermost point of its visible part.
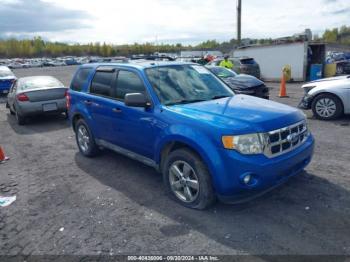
(80, 79)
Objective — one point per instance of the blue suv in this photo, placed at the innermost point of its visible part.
(179, 118)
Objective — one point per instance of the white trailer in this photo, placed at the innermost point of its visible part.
(272, 58)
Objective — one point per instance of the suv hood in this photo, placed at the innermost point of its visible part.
(241, 114)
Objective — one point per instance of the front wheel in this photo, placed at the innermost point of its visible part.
(327, 107)
(187, 179)
(85, 140)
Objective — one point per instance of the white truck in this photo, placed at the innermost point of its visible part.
(272, 58)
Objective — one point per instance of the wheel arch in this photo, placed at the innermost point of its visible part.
(176, 142)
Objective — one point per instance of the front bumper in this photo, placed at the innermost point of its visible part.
(306, 102)
(268, 173)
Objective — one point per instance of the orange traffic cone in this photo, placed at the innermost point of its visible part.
(2, 156)
(283, 88)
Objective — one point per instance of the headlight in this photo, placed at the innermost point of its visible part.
(307, 89)
(246, 144)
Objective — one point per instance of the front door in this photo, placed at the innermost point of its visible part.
(135, 125)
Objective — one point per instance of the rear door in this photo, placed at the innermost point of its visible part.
(100, 103)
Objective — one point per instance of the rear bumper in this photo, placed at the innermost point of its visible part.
(37, 108)
(267, 173)
(4, 90)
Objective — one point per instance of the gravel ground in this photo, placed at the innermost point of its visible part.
(68, 204)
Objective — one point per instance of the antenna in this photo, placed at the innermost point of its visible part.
(239, 21)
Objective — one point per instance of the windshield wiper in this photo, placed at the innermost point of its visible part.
(219, 97)
(186, 101)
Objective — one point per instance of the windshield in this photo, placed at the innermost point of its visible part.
(222, 72)
(5, 73)
(179, 84)
(39, 82)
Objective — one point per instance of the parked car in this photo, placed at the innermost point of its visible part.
(328, 98)
(35, 96)
(15, 65)
(342, 67)
(7, 78)
(182, 120)
(241, 83)
(241, 65)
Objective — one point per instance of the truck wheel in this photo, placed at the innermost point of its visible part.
(85, 139)
(187, 179)
(327, 107)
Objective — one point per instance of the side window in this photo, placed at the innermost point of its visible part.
(80, 79)
(102, 83)
(128, 82)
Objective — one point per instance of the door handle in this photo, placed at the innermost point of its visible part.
(88, 102)
(117, 110)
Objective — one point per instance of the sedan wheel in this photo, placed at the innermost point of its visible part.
(327, 107)
(184, 181)
(20, 119)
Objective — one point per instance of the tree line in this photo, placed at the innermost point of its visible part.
(37, 47)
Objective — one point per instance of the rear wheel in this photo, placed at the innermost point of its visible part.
(21, 120)
(85, 140)
(327, 107)
(187, 179)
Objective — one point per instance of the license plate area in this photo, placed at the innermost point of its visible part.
(49, 107)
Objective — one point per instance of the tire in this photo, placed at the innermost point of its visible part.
(21, 120)
(9, 107)
(191, 167)
(340, 70)
(85, 139)
(327, 107)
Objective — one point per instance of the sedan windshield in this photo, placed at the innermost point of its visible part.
(181, 84)
(222, 72)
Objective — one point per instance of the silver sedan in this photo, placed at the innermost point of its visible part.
(328, 98)
(35, 96)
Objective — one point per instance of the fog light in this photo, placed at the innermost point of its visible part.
(247, 179)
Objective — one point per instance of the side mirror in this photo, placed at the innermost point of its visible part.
(136, 100)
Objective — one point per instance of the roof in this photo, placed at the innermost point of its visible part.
(4, 68)
(139, 64)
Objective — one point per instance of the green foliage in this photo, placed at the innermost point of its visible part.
(37, 47)
(337, 35)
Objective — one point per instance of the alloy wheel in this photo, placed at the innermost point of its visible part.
(184, 181)
(326, 107)
(83, 138)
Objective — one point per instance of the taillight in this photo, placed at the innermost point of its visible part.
(67, 99)
(22, 97)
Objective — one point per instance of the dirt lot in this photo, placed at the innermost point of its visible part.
(68, 204)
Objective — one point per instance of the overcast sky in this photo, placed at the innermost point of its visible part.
(171, 21)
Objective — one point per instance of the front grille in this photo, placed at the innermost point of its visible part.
(286, 139)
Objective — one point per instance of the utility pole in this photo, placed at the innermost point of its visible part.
(239, 21)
